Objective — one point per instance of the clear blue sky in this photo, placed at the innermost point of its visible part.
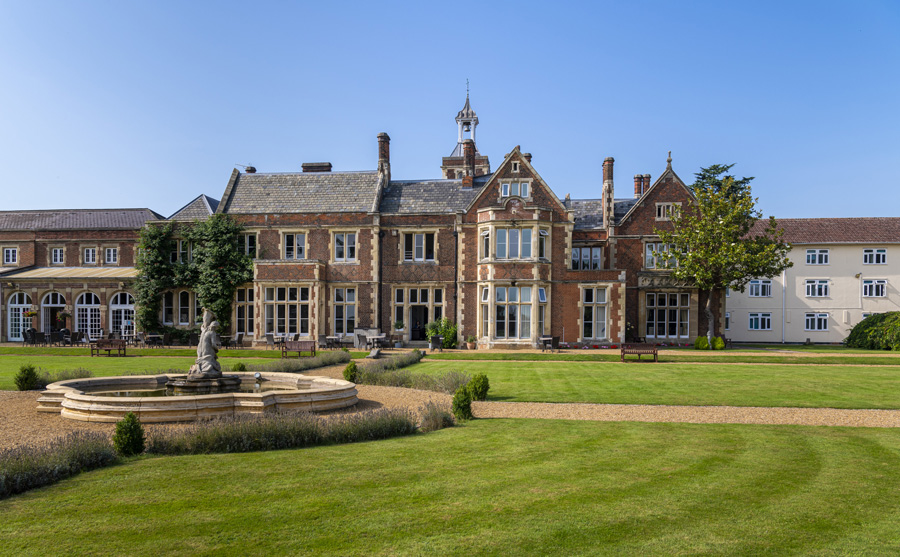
(149, 104)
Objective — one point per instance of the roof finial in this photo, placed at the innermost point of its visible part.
(467, 87)
(669, 161)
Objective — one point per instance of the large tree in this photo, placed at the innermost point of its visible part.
(720, 240)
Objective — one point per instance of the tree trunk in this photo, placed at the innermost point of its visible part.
(709, 318)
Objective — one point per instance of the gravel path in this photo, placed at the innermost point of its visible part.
(20, 423)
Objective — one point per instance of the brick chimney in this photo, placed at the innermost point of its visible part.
(608, 169)
(316, 167)
(384, 155)
(646, 185)
(638, 185)
(527, 157)
(469, 157)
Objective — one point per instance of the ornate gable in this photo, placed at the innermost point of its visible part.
(652, 209)
(516, 191)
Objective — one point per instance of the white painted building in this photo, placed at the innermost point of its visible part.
(844, 269)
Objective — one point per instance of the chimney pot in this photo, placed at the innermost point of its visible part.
(638, 185)
(527, 157)
(646, 184)
(250, 169)
(384, 147)
(468, 182)
(316, 167)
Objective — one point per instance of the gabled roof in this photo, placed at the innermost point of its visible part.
(77, 219)
(668, 174)
(865, 230)
(404, 197)
(517, 150)
(200, 208)
(306, 192)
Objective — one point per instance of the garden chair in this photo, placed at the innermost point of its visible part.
(270, 341)
(239, 340)
(323, 342)
(40, 338)
(436, 343)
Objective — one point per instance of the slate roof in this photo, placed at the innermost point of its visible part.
(77, 219)
(862, 230)
(404, 197)
(622, 206)
(588, 213)
(307, 192)
(199, 209)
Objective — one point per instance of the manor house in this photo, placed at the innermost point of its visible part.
(494, 249)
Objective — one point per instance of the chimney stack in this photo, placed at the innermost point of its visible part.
(527, 157)
(469, 157)
(608, 169)
(384, 156)
(250, 169)
(638, 185)
(316, 167)
(646, 185)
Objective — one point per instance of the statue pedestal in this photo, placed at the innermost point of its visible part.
(188, 386)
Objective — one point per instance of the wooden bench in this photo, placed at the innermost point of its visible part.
(108, 344)
(639, 350)
(298, 346)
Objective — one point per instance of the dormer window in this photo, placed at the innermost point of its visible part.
(515, 189)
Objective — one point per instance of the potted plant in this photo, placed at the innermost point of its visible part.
(398, 325)
(30, 313)
(471, 342)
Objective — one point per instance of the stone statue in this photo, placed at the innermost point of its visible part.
(207, 365)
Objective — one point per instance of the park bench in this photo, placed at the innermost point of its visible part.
(640, 350)
(108, 345)
(298, 346)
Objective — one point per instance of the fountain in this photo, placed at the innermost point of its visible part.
(203, 393)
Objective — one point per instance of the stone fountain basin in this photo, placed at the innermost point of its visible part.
(72, 399)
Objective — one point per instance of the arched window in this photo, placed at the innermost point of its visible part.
(19, 303)
(53, 304)
(121, 313)
(87, 315)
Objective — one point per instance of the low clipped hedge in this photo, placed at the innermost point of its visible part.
(880, 331)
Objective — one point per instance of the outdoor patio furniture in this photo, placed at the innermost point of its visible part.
(324, 342)
(436, 343)
(270, 341)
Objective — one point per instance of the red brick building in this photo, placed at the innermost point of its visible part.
(496, 251)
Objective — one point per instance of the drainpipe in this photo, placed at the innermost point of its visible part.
(456, 274)
(379, 295)
(783, 294)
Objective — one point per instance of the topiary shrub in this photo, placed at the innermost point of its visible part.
(27, 378)
(880, 331)
(479, 386)
(351, 372)
(239, 366)
(701, 343)
(462, 404)
(718, 343)
(129, 437)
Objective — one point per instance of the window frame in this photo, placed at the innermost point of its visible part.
(298, 250)
(818, 288)
(760, 288)
(521, 244)
(62, 256)
(413, 255)
(343, 304)
(665, 210)
(873, 286)
(114, 252)
(92, 260)
(591, 300)
(875, 256)
(346, 245)
(521, 186)
(763, 321)
(246, 247)
(819, 320)
(10, 255)
(816, 256)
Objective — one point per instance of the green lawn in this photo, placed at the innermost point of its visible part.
(673, 355)
(522, 487)
(684, 384)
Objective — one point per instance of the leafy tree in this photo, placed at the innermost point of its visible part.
(221, 266)
(217, 267)
(711, 178)
(714, 242)
(155, 274)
